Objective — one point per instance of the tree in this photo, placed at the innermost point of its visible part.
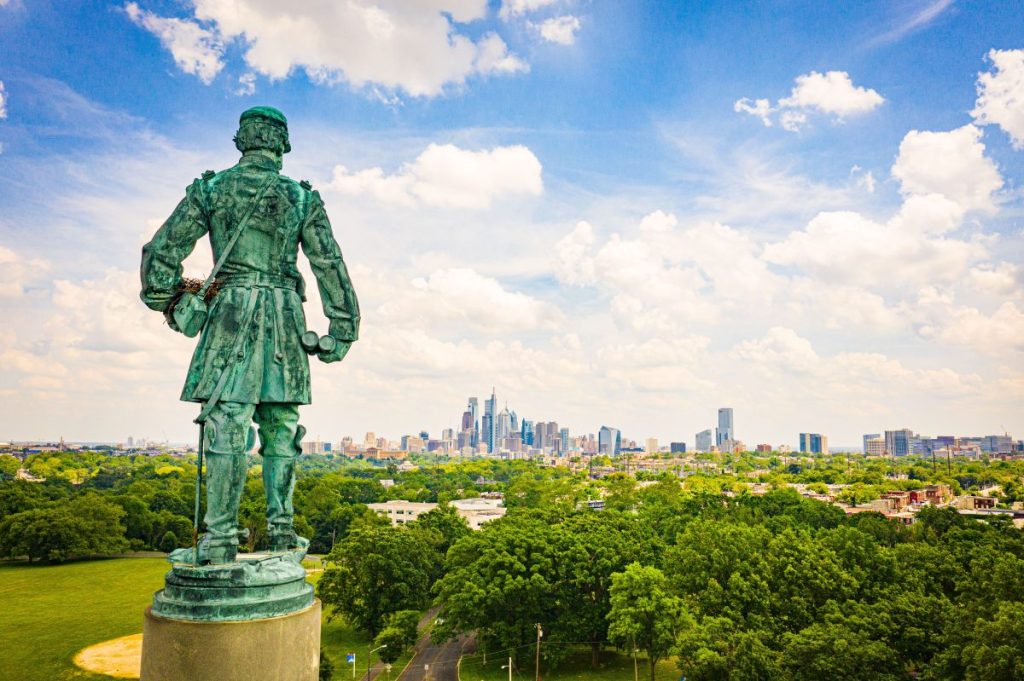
(500, 583)
(644, 614)
(827, 650)
(87, 525)
(448, 523)
(376, 571)
(326, 667)
(392, 642)
(718, 650)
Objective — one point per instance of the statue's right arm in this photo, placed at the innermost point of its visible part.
(173, 242)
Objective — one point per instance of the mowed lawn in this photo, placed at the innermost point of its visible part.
(575, 667)
(49, 613)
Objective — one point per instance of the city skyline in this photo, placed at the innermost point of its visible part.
(606, 210)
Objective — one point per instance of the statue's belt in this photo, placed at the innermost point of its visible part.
(257, 280)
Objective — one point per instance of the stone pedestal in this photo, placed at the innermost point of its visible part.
(284, 648)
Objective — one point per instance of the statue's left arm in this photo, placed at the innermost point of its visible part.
(339, 299)
(162, 257)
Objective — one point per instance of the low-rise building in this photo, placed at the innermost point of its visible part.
(476, 511)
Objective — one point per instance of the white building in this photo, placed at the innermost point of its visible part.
(476, 511)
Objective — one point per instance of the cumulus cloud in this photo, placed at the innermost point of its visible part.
(1002, 279)
(19, 273)
(447, 176)
(938, 317)
(831, 93)
(561, 30)
(513, 8)
(246, 85)
(414, 47)
(195, 49)
(468, 300)
(1001, 95)
(951, 163)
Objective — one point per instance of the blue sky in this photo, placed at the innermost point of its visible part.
(622, 213)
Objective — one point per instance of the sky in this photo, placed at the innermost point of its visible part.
(625, 214)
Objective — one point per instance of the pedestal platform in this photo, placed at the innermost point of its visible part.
(284, 648)
(255, 586)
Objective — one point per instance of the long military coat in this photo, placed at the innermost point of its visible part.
(256, 318)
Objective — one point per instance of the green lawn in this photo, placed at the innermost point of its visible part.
(576, 666)
(49, 613)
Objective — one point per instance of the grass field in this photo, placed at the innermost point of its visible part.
(575, 667)
(49, 613)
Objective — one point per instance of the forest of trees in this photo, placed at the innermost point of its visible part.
(729, 587)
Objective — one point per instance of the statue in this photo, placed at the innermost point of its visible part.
(251, 362)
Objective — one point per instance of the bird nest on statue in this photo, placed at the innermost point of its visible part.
(189, 285)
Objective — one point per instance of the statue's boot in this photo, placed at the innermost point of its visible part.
(280, 442)
(225, 481)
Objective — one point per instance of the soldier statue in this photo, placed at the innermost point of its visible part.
(251, 362)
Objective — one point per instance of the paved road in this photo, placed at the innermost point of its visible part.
(437, 662)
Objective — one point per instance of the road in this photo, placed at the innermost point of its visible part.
(437, 662)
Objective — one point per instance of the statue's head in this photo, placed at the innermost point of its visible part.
(263, 127)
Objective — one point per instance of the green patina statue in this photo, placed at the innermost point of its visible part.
(251, 362)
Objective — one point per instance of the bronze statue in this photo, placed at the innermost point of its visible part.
(251, 362)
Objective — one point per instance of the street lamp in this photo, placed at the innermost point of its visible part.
(368, 660)
(509, 667)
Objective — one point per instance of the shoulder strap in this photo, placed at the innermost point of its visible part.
(234, 237)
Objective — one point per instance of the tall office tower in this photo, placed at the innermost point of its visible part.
(370, 440)
(813, 443)
(651, 446)
(704, 441)
(472, 409)
(527, 431)
(447, 434)
(677, 447)
(503, 424)
(488, 424)
(609, 441)
(514, 418)
(725, 432)
(563, 435)
(899, 442)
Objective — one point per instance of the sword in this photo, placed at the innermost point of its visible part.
(199, 485)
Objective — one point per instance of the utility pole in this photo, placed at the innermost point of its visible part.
(636, 672)
(540, 633)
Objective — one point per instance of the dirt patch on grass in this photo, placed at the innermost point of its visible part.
(119, 657)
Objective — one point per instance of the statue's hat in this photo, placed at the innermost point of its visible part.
(267, 113)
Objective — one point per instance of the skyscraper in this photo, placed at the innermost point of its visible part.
(899, 442)
(472, 408)
(725, 433)
(488, 424)
(563, 436)
(704, 441)
(527, 431)
(609, 441)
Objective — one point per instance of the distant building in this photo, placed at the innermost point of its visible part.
(651, 446)
(764, 449)
(899, 442)
(813, 443)
(476, 511)
(412, 443)
(725, 433)
(677, 447)
(704, 442)
(871, 436)
(609, 441)
(564, 444)
(874, 445)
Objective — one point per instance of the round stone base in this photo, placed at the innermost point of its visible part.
(285, 648)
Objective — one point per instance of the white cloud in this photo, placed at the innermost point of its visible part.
(913, 22)
(3, 100)
(656, 365)
(446, 176)
(195, 49)
(575, 264)
(938, 317)
(493, 57)
(414, 47)
(1001, 95)
(512, 8)
(457, 300)
(561, 30)
(1003, 279)
(949, 163)
(762, 108)
(18, 273)
(246, 85)
(832, 93)
(845, 247)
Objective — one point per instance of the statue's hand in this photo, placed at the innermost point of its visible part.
(337, 354)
